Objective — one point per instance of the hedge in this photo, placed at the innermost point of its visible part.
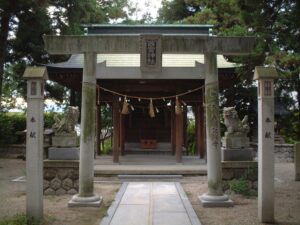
(10, 123)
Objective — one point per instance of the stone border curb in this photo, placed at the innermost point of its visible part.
(187, 205)
(113, 208)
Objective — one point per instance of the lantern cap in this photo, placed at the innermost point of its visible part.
(262, 72)
(35, 72)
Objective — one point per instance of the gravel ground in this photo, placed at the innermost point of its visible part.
(244, 212)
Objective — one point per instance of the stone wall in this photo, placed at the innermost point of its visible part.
(61, 177)
(241, 169)
(283, 152)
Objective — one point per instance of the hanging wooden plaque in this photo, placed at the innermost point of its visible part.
(151, 53)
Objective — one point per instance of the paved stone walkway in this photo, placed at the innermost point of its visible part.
(151, 203)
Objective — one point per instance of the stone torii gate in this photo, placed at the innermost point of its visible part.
(90, 45)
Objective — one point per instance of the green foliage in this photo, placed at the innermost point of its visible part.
(14, 122)
(243, 185)
(49, 118)
(21, 219)
(107, 147)
(275, 25)
(191, 138)
(10, 124)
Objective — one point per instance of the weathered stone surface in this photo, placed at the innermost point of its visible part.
(238, 173)
(60, 191)
(46, 184)
(55, 184)
(252, 174)
(67, 184)
(65, 141)
(66, 125)
(66, 153)
(49, 191)
(72, 192)
(76, 184)
(227, 174)
(62, 173)
(49, 174)
(243, 154)
(73, 173)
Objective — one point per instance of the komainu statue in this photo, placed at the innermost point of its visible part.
(234, 126)
(67, 124)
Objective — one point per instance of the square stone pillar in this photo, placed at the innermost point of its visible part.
(215, 196)
(36, 77)
(86, 196)
(297, 161)
(265, 77)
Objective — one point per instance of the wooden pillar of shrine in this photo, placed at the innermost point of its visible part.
(173, 136)
(98, 130)
(202, 143)
(122, 134)
(185, 124)
(197, 128)
(116, 129)
(179, 136)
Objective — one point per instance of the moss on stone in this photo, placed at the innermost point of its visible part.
(89, 91)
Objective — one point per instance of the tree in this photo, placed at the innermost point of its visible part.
(22, 24)
(276, 26)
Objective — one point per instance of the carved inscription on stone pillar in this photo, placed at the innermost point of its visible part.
(151, 53)
(213, 116)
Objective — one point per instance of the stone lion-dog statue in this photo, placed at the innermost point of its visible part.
(68, 122)
(234, 126)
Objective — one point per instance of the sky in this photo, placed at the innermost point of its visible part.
(146, 5)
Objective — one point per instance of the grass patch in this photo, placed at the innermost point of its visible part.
(21, 219)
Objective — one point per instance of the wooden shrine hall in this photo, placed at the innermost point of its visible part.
(151, 75)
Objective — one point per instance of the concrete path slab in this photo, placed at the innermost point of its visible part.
(151, 203)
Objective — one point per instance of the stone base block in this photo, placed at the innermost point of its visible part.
(245, 154)
(65, 140)
(235, 142)
(55, 153)
(76, 201)
(215, 201)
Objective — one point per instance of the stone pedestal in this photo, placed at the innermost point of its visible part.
(235, 142)
(215, 201)
(65, 140)
(64, 147)
(71, 153)
(92, 201)
(297, 161)
(233, 154)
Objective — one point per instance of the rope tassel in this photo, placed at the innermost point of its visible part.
(178, 109)
(125, 109)
(151, 109)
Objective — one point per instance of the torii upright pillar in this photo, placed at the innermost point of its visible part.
(215, 196)
(86, 196)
